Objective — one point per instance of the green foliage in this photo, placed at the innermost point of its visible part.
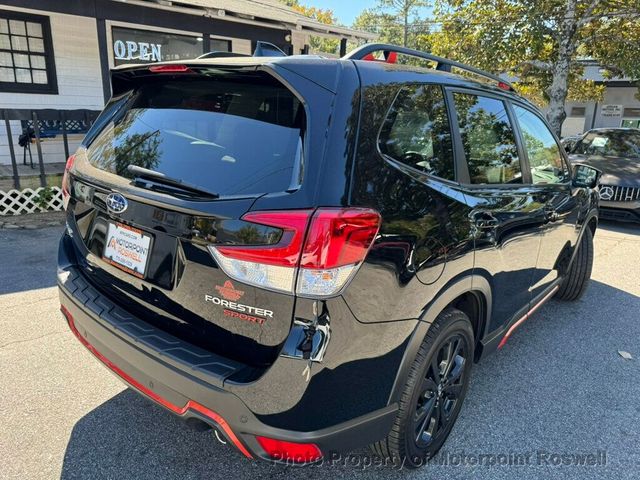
(542, 43)
(45, 195)
(396, 21)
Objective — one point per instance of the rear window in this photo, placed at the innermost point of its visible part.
(232, 135)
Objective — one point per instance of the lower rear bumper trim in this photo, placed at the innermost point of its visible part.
(190, 405)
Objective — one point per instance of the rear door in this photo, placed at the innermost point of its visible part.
(506, 217)
(551, 184)
(223, 138)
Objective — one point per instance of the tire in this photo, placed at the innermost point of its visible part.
(575, 282)
(407, 444)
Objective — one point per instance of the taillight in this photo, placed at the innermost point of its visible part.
(66, 183)
(289, 451)
(336, 243)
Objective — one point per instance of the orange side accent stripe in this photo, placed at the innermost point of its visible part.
(526, 316)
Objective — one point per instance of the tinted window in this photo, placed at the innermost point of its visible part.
(613, 143)
(488, 140)
(236, 136)
(416, 131)
(543, 152)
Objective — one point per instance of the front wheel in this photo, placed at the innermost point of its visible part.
(575, 282)
(434, 392)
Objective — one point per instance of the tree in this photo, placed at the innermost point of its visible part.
(396, 21)
(322, 15)
(543, 42)
(403, 9)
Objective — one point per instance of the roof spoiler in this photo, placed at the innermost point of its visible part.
(263, 49)
(390, 52)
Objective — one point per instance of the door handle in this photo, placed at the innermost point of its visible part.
(551, 214)
(484, 220)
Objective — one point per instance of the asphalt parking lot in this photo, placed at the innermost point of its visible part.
(559, 387)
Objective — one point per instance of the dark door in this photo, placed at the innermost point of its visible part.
(552, 188)
(506, 214)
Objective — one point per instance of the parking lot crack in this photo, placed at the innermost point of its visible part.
(29, 340)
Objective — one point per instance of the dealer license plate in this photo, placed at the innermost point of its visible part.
(127, 248)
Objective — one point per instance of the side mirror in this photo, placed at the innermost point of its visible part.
(585, 176)
(568, 147)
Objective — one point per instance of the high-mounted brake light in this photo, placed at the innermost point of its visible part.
(66, 183)
(290, 451)
(504, 86)
(170, 69)
(337, 241)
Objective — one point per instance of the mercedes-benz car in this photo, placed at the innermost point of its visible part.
(616, 152)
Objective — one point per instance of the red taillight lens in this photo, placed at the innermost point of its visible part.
(286, 252)
(290, 451)
(170, 69)
(339, 237)
(66, 183)
(337, 241)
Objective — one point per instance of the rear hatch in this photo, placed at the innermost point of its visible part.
(220, 138)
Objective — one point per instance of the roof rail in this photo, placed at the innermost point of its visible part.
(390, 52)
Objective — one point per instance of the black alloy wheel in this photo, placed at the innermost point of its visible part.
(433, 393)
(441, 390)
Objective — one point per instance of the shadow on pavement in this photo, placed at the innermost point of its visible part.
(564, 347)
(28, 259)
(619, 227)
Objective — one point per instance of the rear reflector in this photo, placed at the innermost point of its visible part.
(337, 241)
(290, 451)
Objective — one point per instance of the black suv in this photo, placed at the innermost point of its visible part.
(309, 254)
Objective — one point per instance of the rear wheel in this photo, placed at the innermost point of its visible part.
(575, 283)
(434, 392)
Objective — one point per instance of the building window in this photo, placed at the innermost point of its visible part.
(220, 45)
(578, 111)
(631, 117)
(145, 46)
(26, 54)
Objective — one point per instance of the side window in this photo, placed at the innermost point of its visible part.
(544, 154)
(416, 131)
(488, 140)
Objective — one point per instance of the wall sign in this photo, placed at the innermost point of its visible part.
(131, 45)
(143, 51)
(611, 110)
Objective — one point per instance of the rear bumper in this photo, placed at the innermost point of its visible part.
(188, 381)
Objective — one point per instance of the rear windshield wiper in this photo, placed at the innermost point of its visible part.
(162, 179)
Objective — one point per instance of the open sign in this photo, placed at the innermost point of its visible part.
(143, 51)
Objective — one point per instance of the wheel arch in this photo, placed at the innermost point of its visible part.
(472, 295)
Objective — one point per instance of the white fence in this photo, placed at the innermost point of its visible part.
(18, 202)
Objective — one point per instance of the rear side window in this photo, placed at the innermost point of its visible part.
(543, 152)
(488, 140)
(231, 135)
(416, 131)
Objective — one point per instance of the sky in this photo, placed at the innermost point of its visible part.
(345, 10)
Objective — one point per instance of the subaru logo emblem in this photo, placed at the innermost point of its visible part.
(116, 203)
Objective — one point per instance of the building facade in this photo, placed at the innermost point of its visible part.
(56, 55)
(620, 106)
